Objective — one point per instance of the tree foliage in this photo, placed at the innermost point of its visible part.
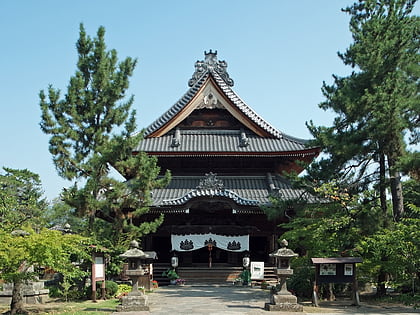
(25, 242)
(83, 121)
(47, 248)
(59, 214)
(21, 199)
(365, 150)
(23, 250)
(395, 251)
(92, 137)
(377, 104)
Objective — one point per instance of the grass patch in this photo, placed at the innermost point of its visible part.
(405, 299)
(56, 307)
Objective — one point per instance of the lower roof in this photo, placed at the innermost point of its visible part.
(242, 190)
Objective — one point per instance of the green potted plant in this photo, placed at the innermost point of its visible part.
(171, 275)
(245, 277)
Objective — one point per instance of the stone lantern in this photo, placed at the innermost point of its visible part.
(135, 300)
(283, 300)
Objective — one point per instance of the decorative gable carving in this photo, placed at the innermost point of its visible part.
(210, 99)
(211, 182)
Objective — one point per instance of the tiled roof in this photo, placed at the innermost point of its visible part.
(243, 190)
(217, 70)
(171, 112)
(244, 108)
(219, 141)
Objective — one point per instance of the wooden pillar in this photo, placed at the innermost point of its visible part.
(316, 287)
(210, 248)
(93, 280)
(355, 287)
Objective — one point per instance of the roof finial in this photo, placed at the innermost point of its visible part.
(210, 58)
(212, 65)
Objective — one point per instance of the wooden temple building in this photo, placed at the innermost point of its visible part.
(225, 162)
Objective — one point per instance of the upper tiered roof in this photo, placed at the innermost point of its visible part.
(211, 88)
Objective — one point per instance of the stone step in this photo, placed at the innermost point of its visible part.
(214, 275)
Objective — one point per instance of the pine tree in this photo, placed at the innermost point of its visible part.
(21, 201)
(378, 103)
(91, 130)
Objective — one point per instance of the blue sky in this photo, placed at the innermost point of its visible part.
(278, 53)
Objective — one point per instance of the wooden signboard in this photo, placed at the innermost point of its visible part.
(336, 270)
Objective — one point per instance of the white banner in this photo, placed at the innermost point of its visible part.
(189, 242)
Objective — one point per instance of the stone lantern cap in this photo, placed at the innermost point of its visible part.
(284, 252)
(135, 252)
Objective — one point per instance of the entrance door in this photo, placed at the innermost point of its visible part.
(218, 256)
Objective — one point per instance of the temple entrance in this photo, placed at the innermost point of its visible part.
(209, 249)
(201, 257)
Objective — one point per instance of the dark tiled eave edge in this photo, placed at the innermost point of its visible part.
(211, 193)
(310, 152)
(228, 141)
(184, 210)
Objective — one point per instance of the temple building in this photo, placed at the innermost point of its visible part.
(225, 161)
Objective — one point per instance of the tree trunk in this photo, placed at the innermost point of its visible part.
(396, 190)
(91, 222)
(17, 305)
(382, 278)
(382, 189)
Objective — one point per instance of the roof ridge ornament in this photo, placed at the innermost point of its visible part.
(210, 63)
(244, 140)
(211, 182)
(176, 140)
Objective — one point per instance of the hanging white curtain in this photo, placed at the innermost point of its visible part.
(189, 242)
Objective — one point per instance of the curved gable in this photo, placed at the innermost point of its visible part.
(211, 88)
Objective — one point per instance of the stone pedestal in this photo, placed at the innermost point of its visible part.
(134, 301)
(283, 302)
(33, 293)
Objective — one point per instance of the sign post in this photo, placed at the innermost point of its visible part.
(98, 274)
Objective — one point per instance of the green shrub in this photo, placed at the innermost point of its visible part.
(54, 292)
(74, 293)
(301, 282)
(123, 289)
(111, 289)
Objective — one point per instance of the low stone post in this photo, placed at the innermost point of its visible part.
(283, 300)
